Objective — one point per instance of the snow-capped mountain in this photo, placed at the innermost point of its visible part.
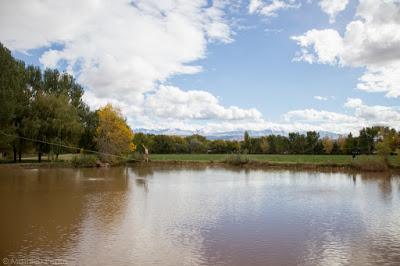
(228, 135)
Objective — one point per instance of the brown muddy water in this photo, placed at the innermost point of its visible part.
(198, 216)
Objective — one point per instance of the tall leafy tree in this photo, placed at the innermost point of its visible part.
(328, 144)
(312, 139)
(14, 100)
(113, 135)
(90, 122)
(54, 121)
(298, 143)
(7, 98)
(367, 139)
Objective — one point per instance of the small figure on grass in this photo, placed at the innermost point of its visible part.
(354, 153)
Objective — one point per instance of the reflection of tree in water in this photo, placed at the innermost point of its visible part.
(384, 180)
(47, 208)
(142, 182)
(142, 171)
(354, 177)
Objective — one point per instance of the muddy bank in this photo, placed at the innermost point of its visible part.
(176, 163)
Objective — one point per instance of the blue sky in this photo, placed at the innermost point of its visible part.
(223, 65)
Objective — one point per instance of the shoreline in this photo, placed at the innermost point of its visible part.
(249, 165)
(254, 165)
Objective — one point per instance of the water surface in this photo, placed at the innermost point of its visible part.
(199, 216)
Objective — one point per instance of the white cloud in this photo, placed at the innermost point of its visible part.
(123, 51)
(362, 116)
(327, 45)
(173, 103)
(353, 103)
(120, 50)
(316, 116)
(376, 114)
(271, 7)
(333, 7)
(371, 41)
(321, 98)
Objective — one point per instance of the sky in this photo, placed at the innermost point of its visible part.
(217, 66)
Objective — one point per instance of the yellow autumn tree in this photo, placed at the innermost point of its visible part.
(113, 135)
(328, 145)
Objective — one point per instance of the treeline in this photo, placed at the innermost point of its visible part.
(43, 113)
(370, 140)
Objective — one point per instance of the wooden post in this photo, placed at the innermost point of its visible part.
(146, 154)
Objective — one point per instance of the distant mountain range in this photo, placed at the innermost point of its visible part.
(228, 135)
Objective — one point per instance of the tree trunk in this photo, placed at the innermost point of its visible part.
(19, 155)
(15, 153)
(40, 157)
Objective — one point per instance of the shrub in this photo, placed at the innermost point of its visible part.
(84, 160)
(136, 156)
(237, 159)
(370, 163)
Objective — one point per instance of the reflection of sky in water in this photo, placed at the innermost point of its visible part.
(202, 215)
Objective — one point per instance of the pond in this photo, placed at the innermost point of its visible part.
(198, 216)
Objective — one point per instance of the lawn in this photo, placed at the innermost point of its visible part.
(272, 158)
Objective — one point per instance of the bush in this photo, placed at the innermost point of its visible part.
(137, 156)
(84, 160)
(237, 159)
(370, 163)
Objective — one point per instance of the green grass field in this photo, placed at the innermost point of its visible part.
(339, 160)
(271, 158)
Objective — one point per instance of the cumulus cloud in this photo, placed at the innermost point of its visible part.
(119, 50)
(353, 103)
(271, 7)
(362, 116)
(321, 98)
(327, 45)
(375, 114)
(172, 102)
(333, 7)
(318, 116)
(371, 41)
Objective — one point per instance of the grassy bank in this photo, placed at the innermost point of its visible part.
(276, 159)
(362, 163)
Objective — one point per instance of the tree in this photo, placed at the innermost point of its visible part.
(218, 146)
(278, 144)
(328, 145)
(113, 135)
(53, 120)
(387, 143)
(350, 144)
(341, 143)
(232, 146)
(336, 148)
(14, 101)
(197, 144)
(246, 146)
(7, 101)
(312, 139)
(298, 143)
(367, 138)
(264, 145)
(90, 122)
(141, 139)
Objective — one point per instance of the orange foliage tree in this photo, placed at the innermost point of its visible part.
(113, 135)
